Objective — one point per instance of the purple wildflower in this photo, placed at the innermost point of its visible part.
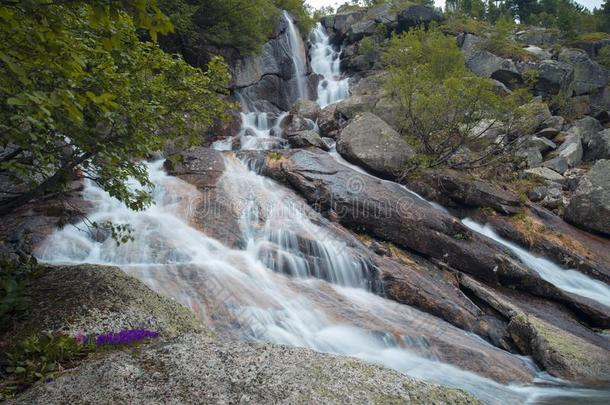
(125, 337)
(48, 380)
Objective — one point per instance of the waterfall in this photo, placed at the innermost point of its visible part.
(248, 294)
(296, 49)
(568, 280)
(296, 279)
(326, 62)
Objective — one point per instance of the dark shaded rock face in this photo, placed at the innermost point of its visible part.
(589, 75)
(270, 75)
(589, 207)
(417, 15)
(463, 190)
(486, 64)
(553, 76)
(369, 142)
(24, 230)
(597, 146)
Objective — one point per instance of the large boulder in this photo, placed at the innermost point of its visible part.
(557, 341)
(562, 353)
(294, 122)
(486, 64)
(538, 36)
(586, 127)
(589, 207)
(306, 139)
(571, 150)
(597, 146)
(195, 368)
(416, 16)
(369, 142)
(589, 76)
(553, 77)
(306, 108)
(339, 24)
(89, 299)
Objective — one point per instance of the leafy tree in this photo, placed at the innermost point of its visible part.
(81, 95)
(243, 25)
(442, 103)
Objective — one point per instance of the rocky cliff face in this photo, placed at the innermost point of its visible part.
(268, 81)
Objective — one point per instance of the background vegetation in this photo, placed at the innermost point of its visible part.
(83, 95)
(204, 26)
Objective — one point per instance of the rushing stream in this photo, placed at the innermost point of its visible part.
(295, 279)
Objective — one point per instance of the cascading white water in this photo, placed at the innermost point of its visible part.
(326, 62)
(294, 281)
(238, 293)
(568, 280)
(298, 62)
(260, 131)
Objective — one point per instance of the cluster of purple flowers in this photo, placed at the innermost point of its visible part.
(123, 337)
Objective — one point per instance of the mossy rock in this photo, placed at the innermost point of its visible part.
(561, 353)
(193, 369)
(97, 299)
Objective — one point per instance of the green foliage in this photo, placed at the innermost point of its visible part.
(499, 41)
(241, 24)
(39, 358)
(15, 276)
(568, 15)
(530, 77)
(459, 23)
(603, 56)
(441, 101)
(81, 93)
(593, 36)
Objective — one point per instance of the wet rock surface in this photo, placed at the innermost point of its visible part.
(387, 211)
(214, 212)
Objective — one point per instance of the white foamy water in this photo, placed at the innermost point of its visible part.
(568, 280)
(296, 53)
(326, 62)
(250, 294)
